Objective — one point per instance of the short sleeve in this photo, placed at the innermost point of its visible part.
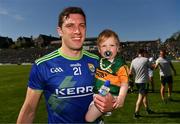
(123, 74)
(35, 78)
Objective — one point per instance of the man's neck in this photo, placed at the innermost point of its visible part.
(71, 52)
(140, 55)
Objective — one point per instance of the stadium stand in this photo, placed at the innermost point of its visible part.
(42, 47)
(18, 56)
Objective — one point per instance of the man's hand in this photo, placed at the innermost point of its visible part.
(104, 103)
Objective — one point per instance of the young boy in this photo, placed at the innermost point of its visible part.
(112, 67)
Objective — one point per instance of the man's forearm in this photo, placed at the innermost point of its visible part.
(25, 115)
(104, 103)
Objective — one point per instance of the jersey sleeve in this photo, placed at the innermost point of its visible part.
(123, 74)
(35, 79)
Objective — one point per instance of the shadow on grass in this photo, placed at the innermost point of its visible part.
(155, 91)
(164, 115)
(175, 91)
(175, 100)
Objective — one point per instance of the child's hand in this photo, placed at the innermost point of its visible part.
(116, 104)
(119, 102)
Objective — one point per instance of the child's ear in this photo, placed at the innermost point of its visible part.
(98, 49)
(118, 48)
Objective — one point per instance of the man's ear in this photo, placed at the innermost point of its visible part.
(59, 30)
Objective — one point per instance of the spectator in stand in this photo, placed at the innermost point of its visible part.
(165, 71)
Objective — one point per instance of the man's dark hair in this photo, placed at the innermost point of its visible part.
(70, 10)
(141, 51)
(163, 50)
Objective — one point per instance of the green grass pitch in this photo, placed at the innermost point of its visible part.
(13, 84)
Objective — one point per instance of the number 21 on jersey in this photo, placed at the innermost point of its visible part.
(77, 70)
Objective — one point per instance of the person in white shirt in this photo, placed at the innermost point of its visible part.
(139, 68)
(165, 71)
(151, 72)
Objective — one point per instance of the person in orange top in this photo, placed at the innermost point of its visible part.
(112, 67)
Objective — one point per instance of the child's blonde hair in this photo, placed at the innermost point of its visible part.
(105, 34)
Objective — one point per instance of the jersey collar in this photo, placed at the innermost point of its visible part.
(69, 57)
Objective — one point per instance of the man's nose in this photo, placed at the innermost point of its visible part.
(76, 29)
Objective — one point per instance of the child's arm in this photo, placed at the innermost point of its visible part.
(122, 95)
(123, 74)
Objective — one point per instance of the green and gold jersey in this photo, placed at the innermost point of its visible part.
(116, 72)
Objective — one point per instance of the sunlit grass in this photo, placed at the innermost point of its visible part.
(13, 84)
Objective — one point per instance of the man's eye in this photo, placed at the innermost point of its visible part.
(83, 26)
(69, 26)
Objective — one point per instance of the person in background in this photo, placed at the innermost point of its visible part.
(151, 75)
(112, 67)
(139, 69)
(150, 72)
(65, 76)
(165, 71)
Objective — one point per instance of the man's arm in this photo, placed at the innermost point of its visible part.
(131, 70)
(104, 103)
(173, 68)
(156, 64)
(28, 110)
